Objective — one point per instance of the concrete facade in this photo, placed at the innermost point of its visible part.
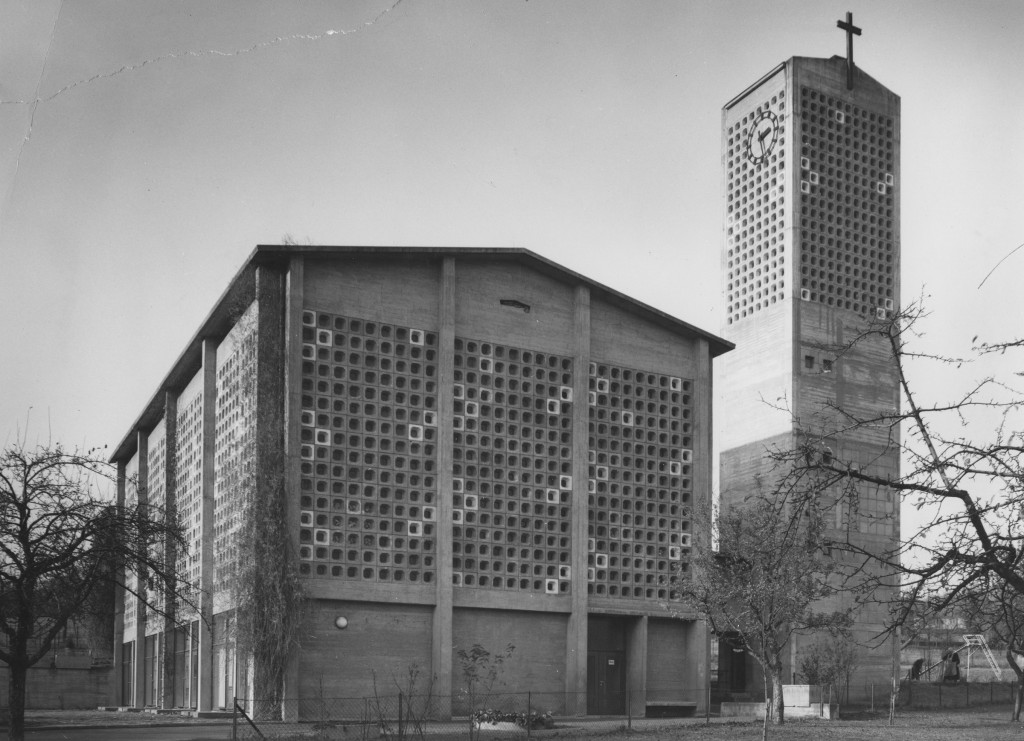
(811, 258)
(478, 446)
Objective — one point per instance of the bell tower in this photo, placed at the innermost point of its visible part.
(811, 255)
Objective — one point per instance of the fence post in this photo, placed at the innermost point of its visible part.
(529, 713)
(872, 697)
(400, 716)
(707, 708)
(629, 712)
(234, 718)
(968, 685)
(940, 694)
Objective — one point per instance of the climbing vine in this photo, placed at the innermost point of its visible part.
(266, 588)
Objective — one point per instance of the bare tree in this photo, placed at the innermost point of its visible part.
(962, 468)
(759, 588)
(61, 543)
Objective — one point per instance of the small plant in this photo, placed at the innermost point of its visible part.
(480, 670)
(410, 708)
(523, 720)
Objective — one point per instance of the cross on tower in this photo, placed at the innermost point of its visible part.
(851, 31)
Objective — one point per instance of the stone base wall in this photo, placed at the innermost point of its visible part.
(63, 689)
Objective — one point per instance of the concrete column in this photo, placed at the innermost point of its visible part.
(636, 666)
(294, 301)
(119, 593)
(170, 505)
(441, 644)
(270, 400)
(698, 645)
(576, 632)
(270, 403)
(139, 668)
(204, 695)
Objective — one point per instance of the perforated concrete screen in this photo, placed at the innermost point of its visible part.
(368, 437)
(847, 182)
(755, 213)
(156, 489)
(512, 473)
(810, 184)
(233, 436)
(188, 485)
(131, 581)
(640, 481)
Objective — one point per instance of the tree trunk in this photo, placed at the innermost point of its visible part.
(767, 705)
(1018, 697)
(777, 705)
(894, 689)
(16, 700)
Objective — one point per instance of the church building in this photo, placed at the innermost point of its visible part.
(476, 446)
(811, 159)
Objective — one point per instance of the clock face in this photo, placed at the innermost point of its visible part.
(764, 133)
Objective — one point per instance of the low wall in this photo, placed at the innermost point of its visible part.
(756, 710)
(50, 688)
(800, 701)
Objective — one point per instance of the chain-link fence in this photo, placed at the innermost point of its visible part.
(487, 716)
(404, 717)
(920, 694)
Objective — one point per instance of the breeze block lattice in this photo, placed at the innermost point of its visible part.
(640, 482)
(368, 437)
(512, 484)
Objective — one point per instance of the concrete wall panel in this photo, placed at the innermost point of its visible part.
(380, 639)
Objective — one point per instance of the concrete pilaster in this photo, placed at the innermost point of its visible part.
(441, 645)
(294, 301)
(119, 698)
(576, 633)
(636, 666)
(139, 637)
(204, 695)
(170, 551)
(270, 399)
(698, 648)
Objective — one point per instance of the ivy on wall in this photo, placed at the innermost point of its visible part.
(266, 587)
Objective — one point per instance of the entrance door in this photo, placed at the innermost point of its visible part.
(732, 666)
(606, 682)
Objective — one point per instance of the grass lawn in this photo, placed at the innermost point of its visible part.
(985, 723)
(968, 724)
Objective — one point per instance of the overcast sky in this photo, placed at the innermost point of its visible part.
(147, 147)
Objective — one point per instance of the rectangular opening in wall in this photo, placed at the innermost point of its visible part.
(808, 362)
